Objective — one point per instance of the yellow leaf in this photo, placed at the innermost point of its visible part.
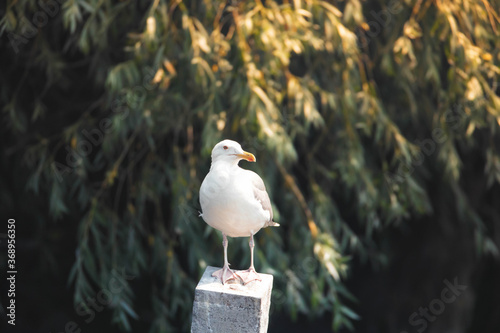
(151, 26)
(470, 129)
(474, 89)
(331, 8)
(158, 76)
(487, 56)
(412, 30)
(313, 228)
(170, 68)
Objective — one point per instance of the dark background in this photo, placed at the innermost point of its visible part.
(375, 126)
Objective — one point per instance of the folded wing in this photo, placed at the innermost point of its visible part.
(260, 193)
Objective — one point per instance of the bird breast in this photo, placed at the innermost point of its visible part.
(228, 203)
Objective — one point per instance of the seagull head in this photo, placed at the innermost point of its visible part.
(230, 151)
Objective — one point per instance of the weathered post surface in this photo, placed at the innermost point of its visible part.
(231, 307)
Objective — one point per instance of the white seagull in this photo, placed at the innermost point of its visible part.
(234, 201)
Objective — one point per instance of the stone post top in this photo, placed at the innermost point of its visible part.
(231, 307)
(253, 289)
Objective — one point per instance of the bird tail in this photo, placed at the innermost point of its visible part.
(272, 224)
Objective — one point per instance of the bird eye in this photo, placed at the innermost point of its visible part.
(225, 147)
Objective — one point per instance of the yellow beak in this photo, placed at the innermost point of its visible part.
(247, 156)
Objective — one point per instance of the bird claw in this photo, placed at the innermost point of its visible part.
(224, 274)
(249, 275)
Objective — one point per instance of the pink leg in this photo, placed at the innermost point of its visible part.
(225, 273)
(250, 274)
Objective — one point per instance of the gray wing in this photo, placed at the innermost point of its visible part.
(260, 193)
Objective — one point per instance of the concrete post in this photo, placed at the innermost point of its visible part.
(231, 307)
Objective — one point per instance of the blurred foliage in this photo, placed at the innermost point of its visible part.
(355, 110)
